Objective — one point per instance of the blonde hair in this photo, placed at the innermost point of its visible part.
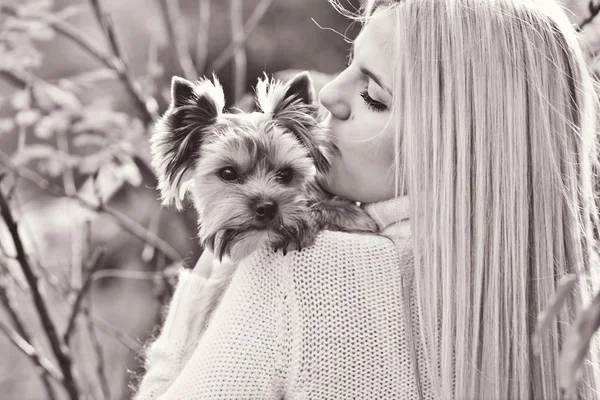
(495, 144)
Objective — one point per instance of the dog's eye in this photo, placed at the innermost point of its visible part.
(228, 174)
(285, 175)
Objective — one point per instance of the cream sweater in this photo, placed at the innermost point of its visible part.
(328, 322)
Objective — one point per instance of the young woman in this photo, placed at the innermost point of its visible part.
(467, 126)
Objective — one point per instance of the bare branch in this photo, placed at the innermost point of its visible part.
(92, 266)
(249, 26)
(121, 65)
(126, 274)
(153, 225)
(121, 219)
(23, 345)
(100, 370)
(203, 35)
(147, 105)
(11, 78)
(174, 22)
(7, 299)
(59, 349)
(240, 61)
(126, 340)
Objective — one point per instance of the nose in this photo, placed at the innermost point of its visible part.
(265, 210)
(335, 99)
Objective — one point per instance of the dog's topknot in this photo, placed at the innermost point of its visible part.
(179, 133)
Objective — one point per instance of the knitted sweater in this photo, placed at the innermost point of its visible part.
(328, 322)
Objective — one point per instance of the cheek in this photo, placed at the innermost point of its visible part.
(368, 142)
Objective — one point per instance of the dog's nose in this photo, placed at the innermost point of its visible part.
(266, 210)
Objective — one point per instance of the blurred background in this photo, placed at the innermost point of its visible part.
(86, 251)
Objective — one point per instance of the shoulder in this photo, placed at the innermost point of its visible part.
(328, 245)
(331, 248)
(334, 256)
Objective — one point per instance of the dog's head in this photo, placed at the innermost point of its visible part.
(245, 171)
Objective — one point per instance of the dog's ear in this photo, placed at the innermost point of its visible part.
(294, 105)
(180, 133)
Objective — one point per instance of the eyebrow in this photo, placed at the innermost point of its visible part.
(363, 70)
(375, 78)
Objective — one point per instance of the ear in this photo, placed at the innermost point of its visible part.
(181, 131)
(300, 87)
(294, 105)
(274, 97)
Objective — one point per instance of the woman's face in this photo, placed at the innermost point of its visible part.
(362, 125)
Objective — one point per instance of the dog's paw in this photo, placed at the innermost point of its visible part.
(359, 221)
(342, 215)
(295, 239)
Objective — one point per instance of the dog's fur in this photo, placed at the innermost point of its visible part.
(195, 141)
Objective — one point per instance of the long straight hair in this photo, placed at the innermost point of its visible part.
(495, 143)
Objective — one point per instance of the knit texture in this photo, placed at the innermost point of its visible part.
(328, 322)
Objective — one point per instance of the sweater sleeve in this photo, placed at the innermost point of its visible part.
(164, 358)
(242, 352)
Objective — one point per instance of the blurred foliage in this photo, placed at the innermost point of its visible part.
(81, 84)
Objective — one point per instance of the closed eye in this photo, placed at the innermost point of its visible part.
(373, 104)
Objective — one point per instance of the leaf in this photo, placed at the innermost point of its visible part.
(546, 318)
(87, 79)
(43, 129)
(130, 173)
(108, 181)
(62, 98)
(91, 163)
(27, 117)
(53, 167)
(34, 152)
(42, 34)
(35, 8)
(7, 125)
(87, 139)
(56, 122)
(20, 100)
(99, 120)
(576, 345)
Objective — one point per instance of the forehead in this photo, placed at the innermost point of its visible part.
(247, 141)
(374, 47)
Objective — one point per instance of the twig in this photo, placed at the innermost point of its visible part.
(126, 340)
(125, 274)
(594, 11)
(153, 226)
(203, 35)
(92, 266)
(100, 370)
(174, 22)
(23, 345)
(7, 299)
(249, 26)
(240, 62)
(59, 349)
(146, 105)
(150, 109)
(121, 219)
(11, 77)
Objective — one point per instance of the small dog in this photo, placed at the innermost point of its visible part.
(253, 177)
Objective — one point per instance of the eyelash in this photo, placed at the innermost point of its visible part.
(372, 104)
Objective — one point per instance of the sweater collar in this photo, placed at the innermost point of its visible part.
(391, 216)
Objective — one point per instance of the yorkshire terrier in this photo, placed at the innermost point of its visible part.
(254, 178)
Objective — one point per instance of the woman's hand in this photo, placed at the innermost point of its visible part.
(204, 265)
